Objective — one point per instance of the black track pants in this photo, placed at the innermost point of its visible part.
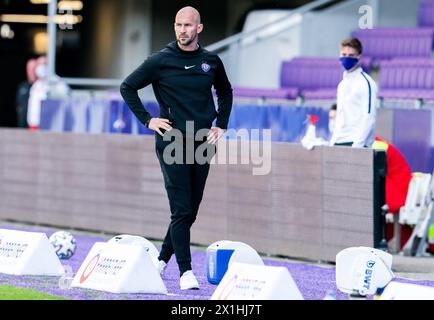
(184, 184)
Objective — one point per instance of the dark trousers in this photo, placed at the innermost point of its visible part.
(344, 144)
(184, 184)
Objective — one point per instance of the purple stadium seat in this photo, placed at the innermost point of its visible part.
(426, 13)
(386, 43)
(313, 78)
(316, 78)
(407, 79)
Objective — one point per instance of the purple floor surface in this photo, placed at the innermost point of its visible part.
(313, 281)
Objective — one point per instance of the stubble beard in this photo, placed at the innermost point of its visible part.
(186, 42)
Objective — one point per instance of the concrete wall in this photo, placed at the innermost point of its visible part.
(119, 37)
(104, 38)
(256, 63)
(398, 13)
(134, 42)
(312, 205)
(323, 31)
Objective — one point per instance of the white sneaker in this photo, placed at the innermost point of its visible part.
(160, 265)
(188, 281)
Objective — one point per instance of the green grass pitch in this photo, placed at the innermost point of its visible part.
(15, 293)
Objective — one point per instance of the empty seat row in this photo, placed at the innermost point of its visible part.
(381, 44)
(311, 73)
(318, 78)
(310, 78)
(407, 79)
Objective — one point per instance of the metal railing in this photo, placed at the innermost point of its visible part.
(218, 46)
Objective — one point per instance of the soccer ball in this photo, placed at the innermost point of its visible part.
(64, 244)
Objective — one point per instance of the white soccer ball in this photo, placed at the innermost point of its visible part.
(64, 244)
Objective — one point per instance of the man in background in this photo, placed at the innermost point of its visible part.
(41, 90)
(356, 100)
(23, 93)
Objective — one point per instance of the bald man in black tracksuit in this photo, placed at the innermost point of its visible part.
(182, 76)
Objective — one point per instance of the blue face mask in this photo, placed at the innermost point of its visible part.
(349, 62)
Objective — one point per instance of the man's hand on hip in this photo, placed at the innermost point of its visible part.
(214, 134)
(159, 123)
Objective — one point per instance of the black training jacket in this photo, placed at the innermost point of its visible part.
(182, 82)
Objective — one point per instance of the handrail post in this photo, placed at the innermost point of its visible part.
(52, 31)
